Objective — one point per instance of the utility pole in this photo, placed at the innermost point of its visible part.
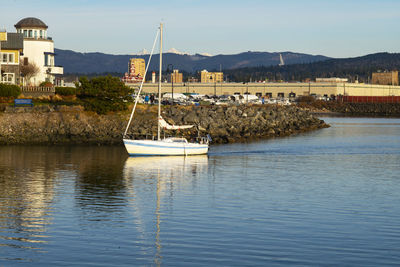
(1, 55)
(172, 80)
(1, 61)
(215, 87)
(247, 92)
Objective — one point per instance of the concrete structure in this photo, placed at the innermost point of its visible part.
(386, 78)
(275, 90)
(176, 77)
(211, 77)
(11, 47)
(331, 80)
(136, 70)
(39, 49)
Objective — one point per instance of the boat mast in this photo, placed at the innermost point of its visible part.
(159, 83)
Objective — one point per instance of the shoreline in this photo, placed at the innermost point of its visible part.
(65, 125)
(381, 110)
(322, 114)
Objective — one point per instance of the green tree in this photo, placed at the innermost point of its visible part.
(104, 94)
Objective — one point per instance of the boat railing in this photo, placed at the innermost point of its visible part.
(139, 136)
(202, 140)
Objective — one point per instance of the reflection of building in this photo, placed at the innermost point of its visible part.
(11, 47)
(39, 49)
(211, 77)
(27, 193)
(385, 78)
(136, 71)
(176, 77)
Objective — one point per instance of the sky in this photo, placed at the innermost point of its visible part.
(333, 28)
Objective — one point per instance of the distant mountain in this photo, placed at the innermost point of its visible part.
(86, 63)
(175, 51)
(357, 68)
(142, 52)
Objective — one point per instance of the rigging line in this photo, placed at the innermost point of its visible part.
(141, 85)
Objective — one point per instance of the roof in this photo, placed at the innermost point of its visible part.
(30, 22)
(14, 41)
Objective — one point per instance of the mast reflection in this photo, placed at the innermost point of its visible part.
(166, 173)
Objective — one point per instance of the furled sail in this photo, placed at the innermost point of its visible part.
(166, 125)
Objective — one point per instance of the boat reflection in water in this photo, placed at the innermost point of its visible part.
(177, 167)
(167, 174)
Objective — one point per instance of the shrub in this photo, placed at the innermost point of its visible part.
(9, 90)
(46, 84)
(65, 91)
(104, 94)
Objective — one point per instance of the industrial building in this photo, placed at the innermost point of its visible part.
(211, 77)
(136, 71)
(386, 78)
(176, 77)
(280, 90)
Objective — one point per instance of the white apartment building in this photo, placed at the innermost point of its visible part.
(39, 49)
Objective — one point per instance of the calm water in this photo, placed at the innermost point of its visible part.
(330, 197)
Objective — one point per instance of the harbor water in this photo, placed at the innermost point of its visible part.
(328, 197)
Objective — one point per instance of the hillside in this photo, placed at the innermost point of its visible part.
(86, 63)
(357, 68)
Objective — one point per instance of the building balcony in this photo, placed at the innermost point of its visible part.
(37, 38)
(54, 70)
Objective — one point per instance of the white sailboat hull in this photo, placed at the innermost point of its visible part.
(163, 148)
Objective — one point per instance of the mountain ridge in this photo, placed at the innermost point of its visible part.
(96, 62)
(355, 69)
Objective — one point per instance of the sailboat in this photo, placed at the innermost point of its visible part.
(171, 146)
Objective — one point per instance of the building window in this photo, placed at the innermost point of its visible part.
(36, 34)
(30, 34)
(46, 59)
(25, 33)
(8, 58)
(8, 78)
(41, 34)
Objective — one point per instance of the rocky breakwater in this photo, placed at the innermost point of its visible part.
(228, 124)
(371, 109)
(72, 125)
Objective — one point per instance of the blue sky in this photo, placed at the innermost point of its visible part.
(334, 28)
